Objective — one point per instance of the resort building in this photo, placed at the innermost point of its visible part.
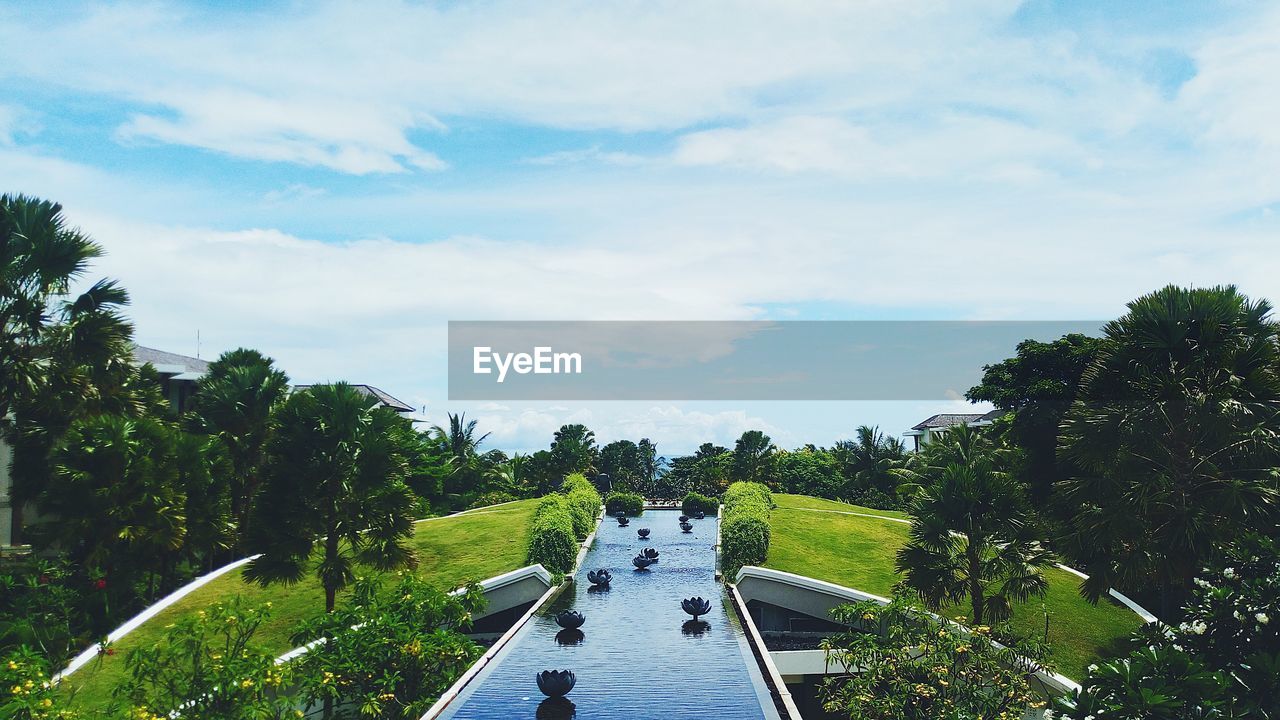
(929, 429)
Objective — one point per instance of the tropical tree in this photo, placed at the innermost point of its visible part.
(1174, 439)
(622, 462)
(971, 538)
(868, 463)
(335, 473)
(1038, 385)
(573, 450)
(235, 403)
(751, 456)
(59, 355)
(115, 503)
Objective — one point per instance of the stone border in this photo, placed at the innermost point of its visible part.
(761, 653)
(91, 652)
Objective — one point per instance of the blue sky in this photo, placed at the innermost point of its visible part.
(333, 182)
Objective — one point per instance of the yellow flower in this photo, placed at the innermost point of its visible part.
(246, 683)
(17, 690)
(962, 649)
(13, 665)
(46, 702)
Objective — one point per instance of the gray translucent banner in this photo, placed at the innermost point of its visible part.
(727, 360)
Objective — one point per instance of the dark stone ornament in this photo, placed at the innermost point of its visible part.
(684, 518)
(570, 619)
(696, 606)
(643, 533)
(556, 683)
(641, 562)
(570, 636)
(651, 553)
(699, 515)
(686, 527)
(623, 521)
(599, 577)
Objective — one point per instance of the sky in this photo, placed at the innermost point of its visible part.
(332, 182)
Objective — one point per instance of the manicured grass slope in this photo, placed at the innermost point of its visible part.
(452, 551)
(859, 552)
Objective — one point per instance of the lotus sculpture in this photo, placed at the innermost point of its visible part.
(644, 533)
(696, 606)
(641, 562)
(684, 518)
(699, 515)
(599, 577)
(570, 619)
(686, 527)
(651, 553)
(623, 521)
(620, 514)
(556, 683)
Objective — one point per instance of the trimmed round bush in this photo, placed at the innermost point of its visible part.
(621, 502)
(553, 541)
(695, 502)
(740, 491)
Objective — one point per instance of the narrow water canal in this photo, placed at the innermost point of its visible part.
(636, 658)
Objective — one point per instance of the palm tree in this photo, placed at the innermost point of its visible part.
(235, 403)
(336, 472)
(971, 536)
(59, 357)
(464, 471)
(1175, 436)
(751, 455)
(869, 461)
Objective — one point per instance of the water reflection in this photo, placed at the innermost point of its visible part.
(572, 636)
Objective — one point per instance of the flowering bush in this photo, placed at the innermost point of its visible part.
(1222, 660)
(208, 667)
(389, 654)
(25, 690)
(900, 662)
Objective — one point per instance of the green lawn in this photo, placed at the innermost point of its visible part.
(858, 552)
(452, 551)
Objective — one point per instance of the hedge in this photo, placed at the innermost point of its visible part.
(584, 503)
(629, 503)
(744, 530)
(552, 540)
(694, 502)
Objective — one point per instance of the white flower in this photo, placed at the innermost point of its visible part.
(1229, 573)
(1262, 618)
(1197, 627)
(1048, 715)
(1203, 583)
(1236, 614)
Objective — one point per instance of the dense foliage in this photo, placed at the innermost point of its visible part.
(902, 664)
(584, 503)
(624, 502)
(388, 653)
(1176, 437)
(695, 502)
(1223, 660)
(744, 527)
(552, 540)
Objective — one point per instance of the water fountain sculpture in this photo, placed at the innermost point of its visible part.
(570, 619)
(643, 532)
(599, 577)
(686, 526)
(641, 562)
(696, 606)
(556, 683)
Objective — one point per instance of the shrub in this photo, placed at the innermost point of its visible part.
(629, 503)
(695, 502)
(744, 531)
(496, 497)
(584, 503)
(552, 541)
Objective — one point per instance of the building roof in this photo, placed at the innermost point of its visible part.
(383, 397)
(946, 420)
(167, 362)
